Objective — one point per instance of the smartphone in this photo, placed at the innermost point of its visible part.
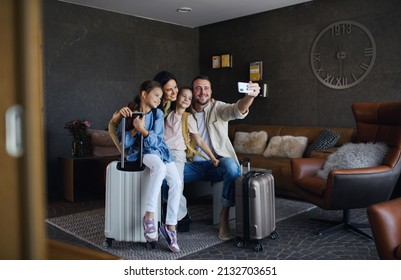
(244, 87)
(129, 122)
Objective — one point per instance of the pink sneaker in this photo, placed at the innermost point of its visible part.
(149, 230)
(171, 237)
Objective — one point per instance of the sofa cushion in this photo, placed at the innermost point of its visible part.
(250, 142)
(100, 137)
(105, 151)
(354, 155)
(286, 146)
(325, 140)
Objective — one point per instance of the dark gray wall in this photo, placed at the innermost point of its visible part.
(282, 39)
(94, 62)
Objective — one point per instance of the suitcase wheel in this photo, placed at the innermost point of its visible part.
(107, 244)
(258, 247)
(274, 235)
(240, 243)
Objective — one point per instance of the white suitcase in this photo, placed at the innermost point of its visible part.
(126, 196)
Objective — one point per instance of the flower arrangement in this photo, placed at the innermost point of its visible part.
(77, 129)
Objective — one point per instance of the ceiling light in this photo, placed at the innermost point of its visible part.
(184, 10)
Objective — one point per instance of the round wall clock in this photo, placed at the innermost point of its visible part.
(343, 54)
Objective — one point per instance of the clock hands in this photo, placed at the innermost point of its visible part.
(340, 55)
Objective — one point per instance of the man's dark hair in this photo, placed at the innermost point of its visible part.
(200, 77)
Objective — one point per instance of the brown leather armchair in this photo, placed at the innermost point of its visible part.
(385, 222)
(361, 187)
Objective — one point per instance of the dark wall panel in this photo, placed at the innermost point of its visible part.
(282, 39)
(94, 62)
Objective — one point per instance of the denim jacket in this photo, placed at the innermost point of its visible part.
(153, 143)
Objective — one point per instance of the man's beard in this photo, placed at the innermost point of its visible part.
(197, 101)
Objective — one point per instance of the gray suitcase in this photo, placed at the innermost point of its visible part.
(255, 207)
(126, 191)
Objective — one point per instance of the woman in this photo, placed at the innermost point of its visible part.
(170, 90)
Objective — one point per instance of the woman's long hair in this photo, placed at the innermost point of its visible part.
(163, 77)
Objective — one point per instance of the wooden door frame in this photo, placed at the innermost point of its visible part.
(22, 191)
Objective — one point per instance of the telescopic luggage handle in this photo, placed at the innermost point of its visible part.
(244, 161)
(130, 166)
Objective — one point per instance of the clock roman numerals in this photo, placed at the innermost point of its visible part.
(368, 52)
(336, 81)
(329, 79)
(342, 55)
(341, 81)
(364, 66)
(316, 57)
(319, 70)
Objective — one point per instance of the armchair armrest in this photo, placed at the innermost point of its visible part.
(305, 167)
(354, 188)
(385, 221)
(365, 170)
(398, 253)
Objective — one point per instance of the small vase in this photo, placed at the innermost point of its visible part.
(78, 148)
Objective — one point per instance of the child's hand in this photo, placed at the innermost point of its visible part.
(215, 162)
(139, 123)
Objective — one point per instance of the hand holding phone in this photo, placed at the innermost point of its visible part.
(244, 88)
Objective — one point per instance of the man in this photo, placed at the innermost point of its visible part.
(212, 118)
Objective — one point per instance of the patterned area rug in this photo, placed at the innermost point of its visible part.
(89, 226)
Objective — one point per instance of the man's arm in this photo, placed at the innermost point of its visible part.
(246, 102)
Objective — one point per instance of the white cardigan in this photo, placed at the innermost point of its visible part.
(217, 116)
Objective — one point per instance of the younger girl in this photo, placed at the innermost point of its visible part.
(173, 135)
(157, 157)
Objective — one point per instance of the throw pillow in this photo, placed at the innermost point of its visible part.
(325, 140)
(354, 155)
(286, 146)
(250, 142)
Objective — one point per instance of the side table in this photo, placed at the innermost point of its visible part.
(83, 178)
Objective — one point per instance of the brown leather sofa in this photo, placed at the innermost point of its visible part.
(385, 222)
(281, 166)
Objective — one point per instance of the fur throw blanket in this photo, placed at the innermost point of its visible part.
(352, 155)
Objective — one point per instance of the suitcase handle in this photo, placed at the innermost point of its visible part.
(127, 165)
(244, 161)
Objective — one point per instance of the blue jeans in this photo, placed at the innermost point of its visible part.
(227, 171)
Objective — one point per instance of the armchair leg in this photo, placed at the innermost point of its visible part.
(346, 224)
